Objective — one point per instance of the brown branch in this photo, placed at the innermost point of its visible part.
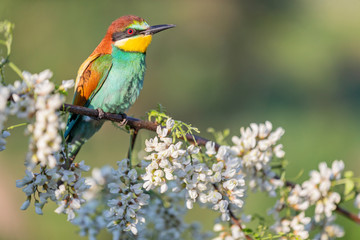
(138, 124)
(133, 123)
(348, 214)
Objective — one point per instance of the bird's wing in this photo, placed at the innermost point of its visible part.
(91, 76)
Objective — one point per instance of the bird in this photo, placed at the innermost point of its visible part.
(111, 78)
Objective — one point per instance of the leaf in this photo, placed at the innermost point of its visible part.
(348, 174)
(349, 197)
(247, 230)
(210, 130)
(349, 186)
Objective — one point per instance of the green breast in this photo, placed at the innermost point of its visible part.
(123, 83)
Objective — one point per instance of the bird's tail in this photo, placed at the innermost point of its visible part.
(74, 147)
(82, 130)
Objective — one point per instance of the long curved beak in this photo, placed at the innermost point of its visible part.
(157, 28)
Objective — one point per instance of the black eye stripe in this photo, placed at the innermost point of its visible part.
(124, 34)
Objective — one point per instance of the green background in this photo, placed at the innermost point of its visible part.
(225, 65)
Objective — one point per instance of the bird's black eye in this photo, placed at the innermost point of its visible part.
(130, 31)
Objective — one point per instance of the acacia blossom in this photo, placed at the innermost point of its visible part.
(122, 196)
(170, 162)
(256, 147)
(36, 100)
(314, 192)
(63, 186)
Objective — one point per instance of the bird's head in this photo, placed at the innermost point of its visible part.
(132, 34)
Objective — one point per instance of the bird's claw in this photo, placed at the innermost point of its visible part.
(101, 113)
(124, 121)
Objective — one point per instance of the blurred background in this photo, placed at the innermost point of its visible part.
(225, 65)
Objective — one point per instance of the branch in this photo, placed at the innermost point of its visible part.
(138, 124)
(133, 123)
(348, 214)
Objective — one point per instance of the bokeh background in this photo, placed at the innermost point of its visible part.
(225, 65)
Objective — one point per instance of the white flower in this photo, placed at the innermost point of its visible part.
(297, 199)
(61, 207)
(210, 148)
(336, 168)
(68, 176)
(298, 225)
(25, 205)
(60, 191)
(214, 196)
(218, 227)
(327, 205)
(279, 152)
(218, 167)
(235, 233)
(162, 132)
(170, 123)
(38, 208)
(230, 184)
(66, 84)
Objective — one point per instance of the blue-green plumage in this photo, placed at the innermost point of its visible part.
(123, 83)
(119, 86)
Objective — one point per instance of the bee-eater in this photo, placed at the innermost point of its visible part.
(111, 78)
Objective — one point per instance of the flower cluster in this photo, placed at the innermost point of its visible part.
(227, 177)
(298, 225)
(35, 99)
(63, 186)
(256, 147)
(219, 185)
(45, 140)
(234, 232)
(168, 222)
(317, 190)
(90, 217)
(119, 192)
(314, 192)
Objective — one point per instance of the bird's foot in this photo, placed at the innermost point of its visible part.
(101, 113)
(124, 121)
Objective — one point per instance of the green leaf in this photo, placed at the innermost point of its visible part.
(247, 230)
(348, 174)
(349, 197)
(349, 186)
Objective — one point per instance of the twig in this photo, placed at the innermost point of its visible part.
(138, 124)
(133, 123)
(348, 214)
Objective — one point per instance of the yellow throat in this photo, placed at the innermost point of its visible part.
(134, 44)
